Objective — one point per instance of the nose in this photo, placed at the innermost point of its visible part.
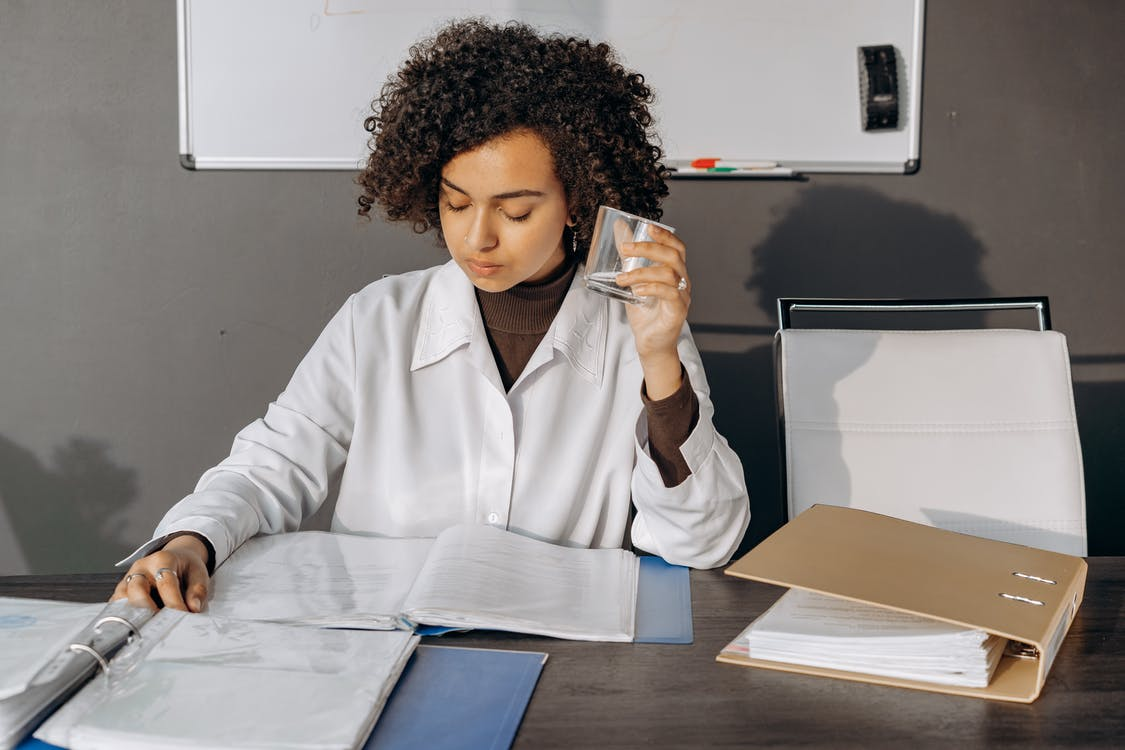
(481, 234)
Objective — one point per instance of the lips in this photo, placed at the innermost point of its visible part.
(480, 268)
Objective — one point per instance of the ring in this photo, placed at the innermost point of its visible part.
(160, 573)
(131, 576)
(682, 285)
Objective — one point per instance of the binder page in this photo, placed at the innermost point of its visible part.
(207, 682)
(318, 578)
(32, 632)
(812, 629)
(483, 577)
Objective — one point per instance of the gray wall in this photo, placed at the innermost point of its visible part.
(147, 312)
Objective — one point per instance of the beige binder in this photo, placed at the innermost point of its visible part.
(1022, 593)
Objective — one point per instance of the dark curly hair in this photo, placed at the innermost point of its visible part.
(474, 81)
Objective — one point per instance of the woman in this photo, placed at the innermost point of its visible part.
(493, 389)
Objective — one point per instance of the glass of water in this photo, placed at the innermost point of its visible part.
(612, 229)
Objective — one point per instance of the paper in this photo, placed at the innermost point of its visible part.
(470, 576)
(318, 578)
(482, 577)
(815, 630)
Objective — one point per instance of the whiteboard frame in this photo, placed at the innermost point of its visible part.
(910, 112)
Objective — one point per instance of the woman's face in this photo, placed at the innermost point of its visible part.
(503, 211)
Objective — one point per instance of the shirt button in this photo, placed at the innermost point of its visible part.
(493, 517)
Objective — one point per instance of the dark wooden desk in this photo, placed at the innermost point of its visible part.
(611, 695)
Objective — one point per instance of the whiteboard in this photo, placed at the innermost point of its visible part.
(286, 84)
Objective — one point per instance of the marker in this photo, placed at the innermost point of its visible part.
(744, 165)
(756, 172)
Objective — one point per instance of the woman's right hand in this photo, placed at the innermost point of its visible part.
(174, 576)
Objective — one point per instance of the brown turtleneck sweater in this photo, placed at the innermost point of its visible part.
(517, 319)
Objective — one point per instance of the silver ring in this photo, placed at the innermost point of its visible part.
(160, 573)
(131, 576)
(682, 285)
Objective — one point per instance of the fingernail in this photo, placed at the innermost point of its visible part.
(196, 604)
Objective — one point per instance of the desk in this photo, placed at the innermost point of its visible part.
(614, 695)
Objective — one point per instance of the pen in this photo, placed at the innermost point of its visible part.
(715, 163)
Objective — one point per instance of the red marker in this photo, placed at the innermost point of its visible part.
(712, 163)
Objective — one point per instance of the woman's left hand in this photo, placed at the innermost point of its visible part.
(658, 321)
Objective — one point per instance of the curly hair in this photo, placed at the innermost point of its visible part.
(474, 81)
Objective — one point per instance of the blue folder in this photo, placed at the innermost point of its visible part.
(663, 603)
(450, 697)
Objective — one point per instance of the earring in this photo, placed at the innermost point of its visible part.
(573, 241)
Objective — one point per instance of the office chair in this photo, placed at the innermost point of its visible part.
(967, 430)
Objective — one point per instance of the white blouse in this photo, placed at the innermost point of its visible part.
(400, 401)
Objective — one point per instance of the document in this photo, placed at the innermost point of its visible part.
(470, 576)
(815, 630)
(193, 680)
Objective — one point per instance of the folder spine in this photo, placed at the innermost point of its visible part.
(1066, 617)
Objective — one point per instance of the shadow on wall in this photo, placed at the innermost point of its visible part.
(65, 516)
(830, 242)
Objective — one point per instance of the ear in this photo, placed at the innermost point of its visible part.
(572, 221)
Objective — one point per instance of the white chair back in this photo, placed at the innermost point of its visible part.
(968, 430)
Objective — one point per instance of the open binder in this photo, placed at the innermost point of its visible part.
(259, 684)
(87, 653)
(1025, 594)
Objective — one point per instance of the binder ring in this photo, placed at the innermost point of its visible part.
(82, 647)
(133, 632)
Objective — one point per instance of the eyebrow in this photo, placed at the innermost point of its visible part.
(501, 196)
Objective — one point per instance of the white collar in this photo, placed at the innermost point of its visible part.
(451, 319)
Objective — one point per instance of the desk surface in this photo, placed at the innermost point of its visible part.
(614, 695)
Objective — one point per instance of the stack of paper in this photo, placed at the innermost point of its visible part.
(815, 630)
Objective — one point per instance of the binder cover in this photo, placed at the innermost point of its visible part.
(451, 697)
(1020, 593)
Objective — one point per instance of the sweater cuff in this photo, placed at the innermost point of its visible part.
(670, 422)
